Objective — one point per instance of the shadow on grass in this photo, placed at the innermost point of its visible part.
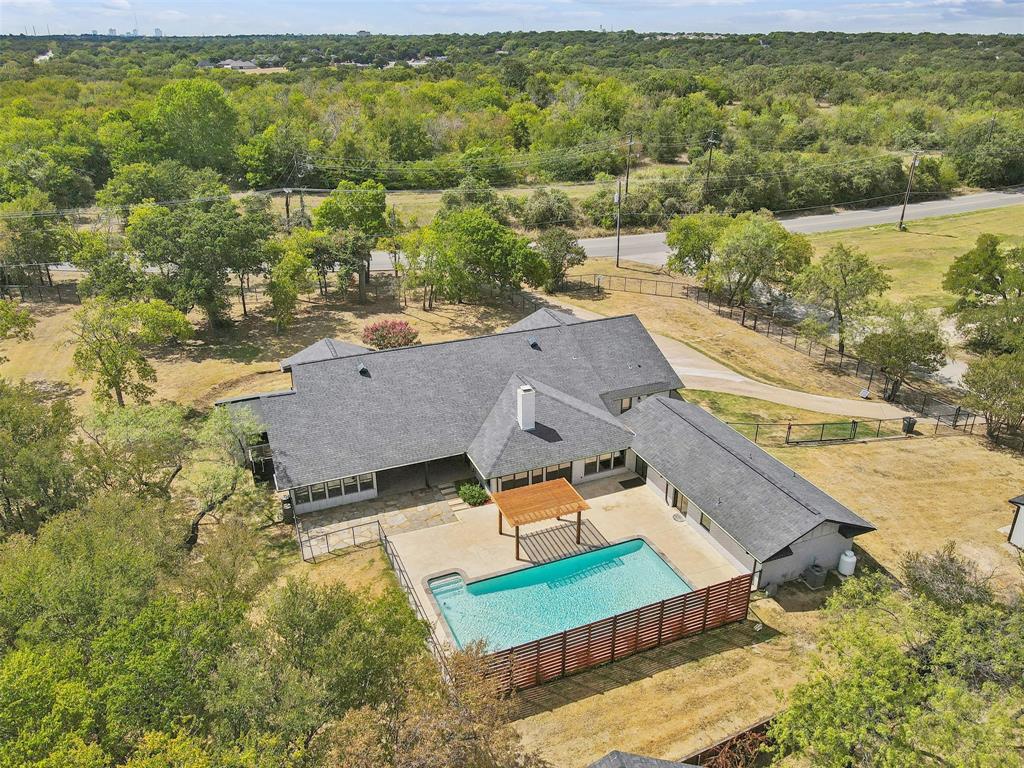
(593, 682)
(253, 338)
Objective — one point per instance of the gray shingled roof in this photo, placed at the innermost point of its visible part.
(543, 318)
(430, 401)
(761, 502)
(325, 349)
(567, 428)
(627, 760)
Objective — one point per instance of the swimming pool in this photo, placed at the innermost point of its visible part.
(543, 600)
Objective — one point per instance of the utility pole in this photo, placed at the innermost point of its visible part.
(618, 221)
(711, 142)
(629, 154)
(906, 197)
(288, 210)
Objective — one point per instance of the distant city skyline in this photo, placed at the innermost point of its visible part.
(202, 17)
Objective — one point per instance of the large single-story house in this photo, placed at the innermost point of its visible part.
(549, 397)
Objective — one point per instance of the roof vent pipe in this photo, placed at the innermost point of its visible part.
(526, 407)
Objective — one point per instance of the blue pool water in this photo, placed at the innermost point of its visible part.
(545, 599)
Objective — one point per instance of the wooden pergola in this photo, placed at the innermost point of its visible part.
(538, 502)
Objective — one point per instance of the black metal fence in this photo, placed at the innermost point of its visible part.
(781, 433)
(372, 533)
(782, 330)
(64, 293)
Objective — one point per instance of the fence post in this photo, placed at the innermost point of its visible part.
(661, 622)
(615, 620)
(789, 431)
(757, 430)
(822, 438)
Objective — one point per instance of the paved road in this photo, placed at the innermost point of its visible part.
(698, 371)
(652, 249)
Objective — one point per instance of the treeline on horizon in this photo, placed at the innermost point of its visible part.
(795, 119)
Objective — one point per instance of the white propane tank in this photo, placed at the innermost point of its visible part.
(847, 562)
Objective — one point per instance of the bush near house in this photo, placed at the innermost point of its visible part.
(473, 494)
(388, 334)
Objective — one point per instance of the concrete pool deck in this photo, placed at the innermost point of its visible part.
(472, 546)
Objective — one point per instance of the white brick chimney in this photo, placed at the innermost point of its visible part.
(526, 407)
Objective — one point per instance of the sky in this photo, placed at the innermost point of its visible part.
(192, 17)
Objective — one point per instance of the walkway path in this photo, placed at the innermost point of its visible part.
(698, 371)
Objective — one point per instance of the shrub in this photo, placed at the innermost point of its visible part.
(388, 334)
(473, 494)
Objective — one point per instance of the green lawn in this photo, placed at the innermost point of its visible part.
(918, 258)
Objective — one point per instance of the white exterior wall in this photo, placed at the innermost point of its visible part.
(822, 546)
(1017, 528)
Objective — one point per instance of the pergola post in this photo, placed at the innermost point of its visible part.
(579, 524)
(517, 542)
(500, 531)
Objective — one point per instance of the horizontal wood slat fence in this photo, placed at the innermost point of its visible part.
(607, 640)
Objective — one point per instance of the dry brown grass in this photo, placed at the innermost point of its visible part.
(672, 701)
(922, 493)
(361, 569)
(245, 357)
(719, 338)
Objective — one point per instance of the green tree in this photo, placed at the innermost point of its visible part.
(692, 240)
(900, 338)
(995, 389)
(31, 242)
(472, 249)
(561, 252)
(548, 208)
(926, 678)
(354, 249)
(988, 281)
(111, 339)
(247, 236)
(194, 123)
(166, 180)
(292, 275)
(16, 322)
(843, 281)
(195, 248)
(753, 251)
(356, 206)
(320, 247)
(109, 272)
(36, 479)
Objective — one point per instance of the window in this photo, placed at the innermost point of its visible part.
(318, 492)
(705, 522)
(537, 476)
(604, 462)
(334, 489)
(556, 471)
(366, 482)
(351, 485)
(518, 480)
(625, 404)
(302, 495)
(590, 466)
(619, 459)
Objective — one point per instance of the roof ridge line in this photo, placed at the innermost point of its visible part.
(476, 338)
(744, 460)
